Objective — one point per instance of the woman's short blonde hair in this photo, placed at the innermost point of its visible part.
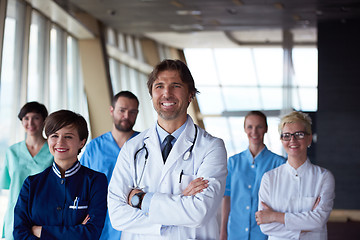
(296, 117)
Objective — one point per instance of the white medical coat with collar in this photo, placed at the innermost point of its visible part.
(171, 215)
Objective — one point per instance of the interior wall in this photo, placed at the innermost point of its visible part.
(96, 76)
(96, 85)
(338, 147)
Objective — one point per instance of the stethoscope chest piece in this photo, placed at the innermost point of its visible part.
(186, 156)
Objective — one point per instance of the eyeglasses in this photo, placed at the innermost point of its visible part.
(297, 135)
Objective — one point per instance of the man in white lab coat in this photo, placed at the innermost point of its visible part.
(155, 196)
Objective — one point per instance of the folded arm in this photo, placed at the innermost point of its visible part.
(286, 224)
(192, 206)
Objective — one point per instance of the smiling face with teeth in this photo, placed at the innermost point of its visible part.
(255, 128)
(64, 145)
(296, 149)
(171, 98)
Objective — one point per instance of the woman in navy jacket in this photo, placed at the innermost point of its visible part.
(66, 200)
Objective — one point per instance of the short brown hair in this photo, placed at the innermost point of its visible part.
(33, 107)
(257, 113)
(63, 118)
(126, 94)
(173, 65)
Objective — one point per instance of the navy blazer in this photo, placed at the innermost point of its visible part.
(60, 205)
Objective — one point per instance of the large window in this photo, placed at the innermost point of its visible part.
(234, 81)
(128, 71)
(40, 62)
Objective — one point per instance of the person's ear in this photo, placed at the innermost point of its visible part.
(191, 97)
(309, 140)
(82, 144)
(111, 110)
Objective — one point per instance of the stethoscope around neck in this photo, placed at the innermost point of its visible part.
(185, 158)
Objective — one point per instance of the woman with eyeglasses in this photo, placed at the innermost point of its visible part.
(295, 199)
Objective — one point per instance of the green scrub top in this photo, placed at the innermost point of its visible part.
(18, 165)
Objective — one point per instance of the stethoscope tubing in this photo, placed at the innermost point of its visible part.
(185, 158)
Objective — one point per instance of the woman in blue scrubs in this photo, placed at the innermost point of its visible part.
(245, 171)
(66, 200)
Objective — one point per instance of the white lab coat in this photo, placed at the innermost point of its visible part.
(171, 215)
(294, 192)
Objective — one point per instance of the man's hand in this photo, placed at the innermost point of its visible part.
(316, 203)
(195, 186)
(131, 194)
(36, 231)
(268, 215)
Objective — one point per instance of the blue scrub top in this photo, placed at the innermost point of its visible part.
(101, 155)
(60, 205)
(242, 185)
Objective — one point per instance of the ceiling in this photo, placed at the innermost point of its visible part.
(208, 23)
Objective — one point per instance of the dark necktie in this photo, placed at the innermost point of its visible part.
(167, 148)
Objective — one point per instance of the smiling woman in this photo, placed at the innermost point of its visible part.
(24, 158)
(295, 199)
(66, 200)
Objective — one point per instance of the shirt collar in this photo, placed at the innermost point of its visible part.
(300, 170)
(68, 173)
(162, 134)
(250, 156)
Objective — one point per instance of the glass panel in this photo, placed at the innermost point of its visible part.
(305, 62)
(130, 45)
(240, 140)
(138, 50)
(57, 84)
(11, 130)
(271, 98)
(218, 127)
(235, 67)
(202, 66)
(252, 79)
(111, 37)
(74, 81)
(237, 98)
(121, 42)
(133, 78)
(308, 99)
(272, 137)
(269, 66)
(114, 75)
(10, 84)
(210, 100)
(36, 72)
(124, 77)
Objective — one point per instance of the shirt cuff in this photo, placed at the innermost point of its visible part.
(145, 205)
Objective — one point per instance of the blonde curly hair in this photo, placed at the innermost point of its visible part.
(296, 117)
